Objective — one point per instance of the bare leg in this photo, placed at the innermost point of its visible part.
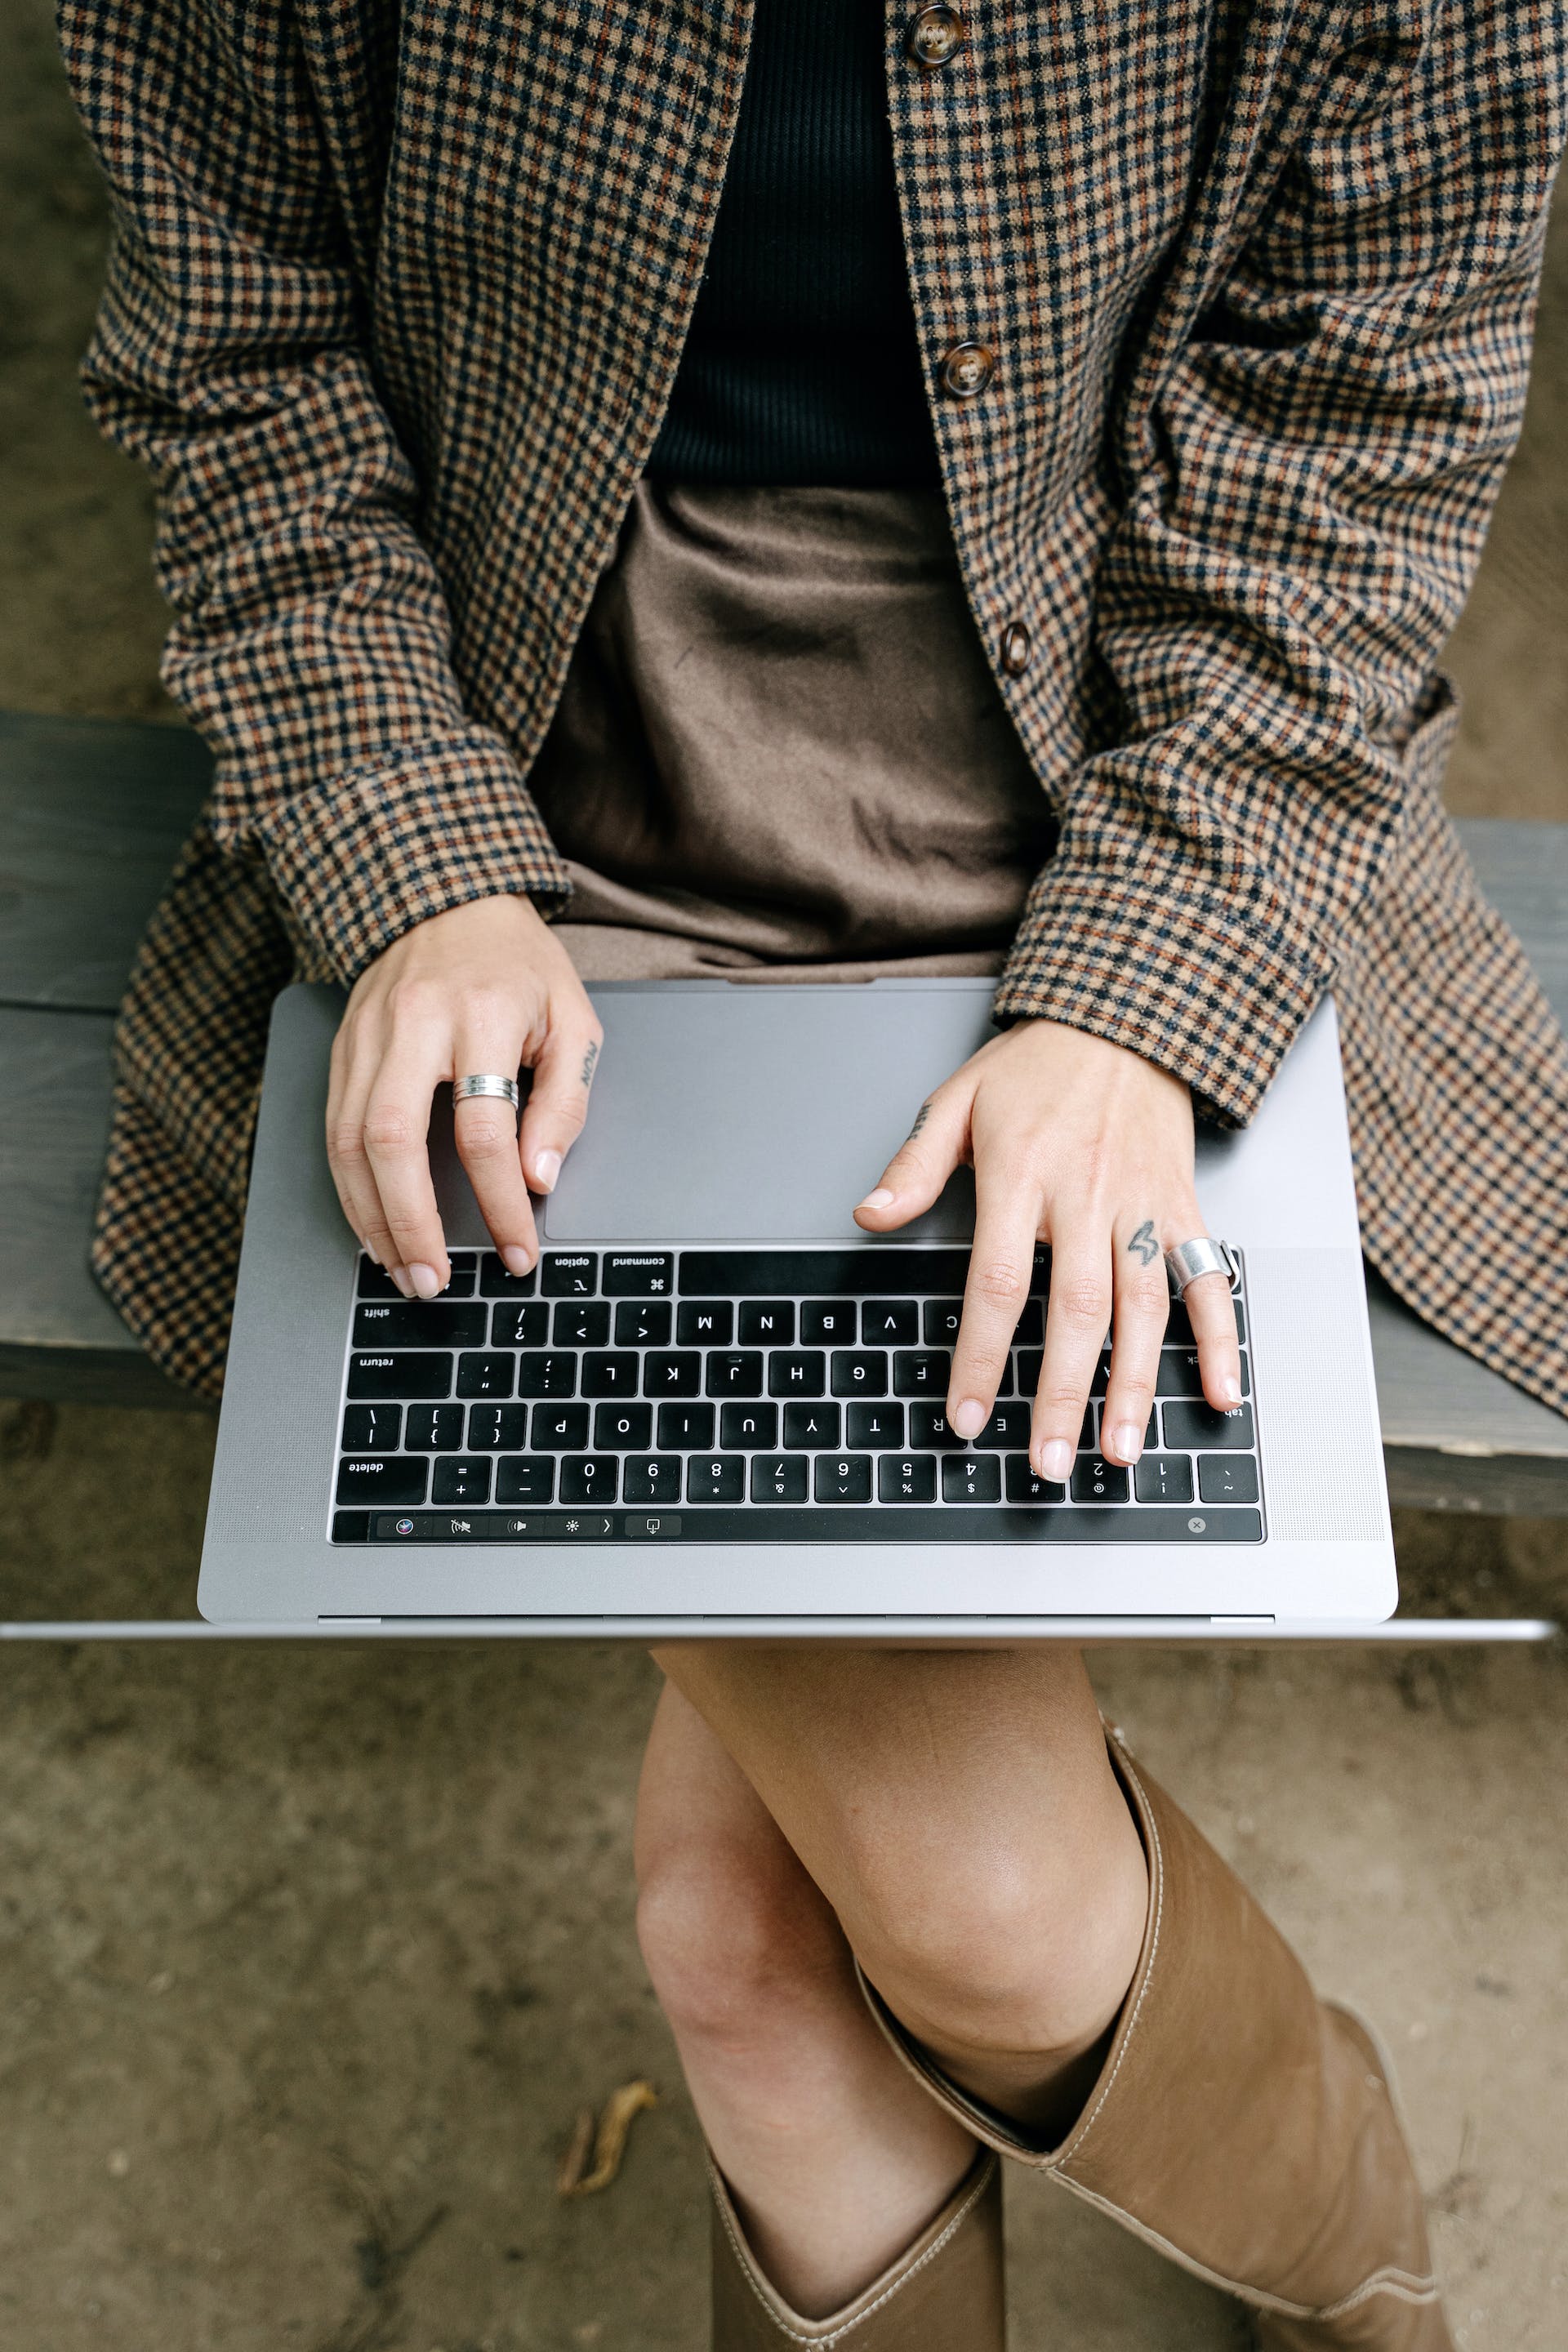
(835, 2158)
(958, 1822)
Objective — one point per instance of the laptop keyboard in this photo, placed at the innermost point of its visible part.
(744, 1395)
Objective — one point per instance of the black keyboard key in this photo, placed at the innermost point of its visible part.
(639, 1273)
(767, 1323)
(1179, 1375)
(623, 1428)
(351, 1526)
(875, 1426)
(486, 1376)
(433, 1428)
(924, 1371)
(1095, 1480)
(971, 1478)
(1102, 1379)
(1008, 1426)
(778, 1479)
(928, 1427)
(940, 1320)
(797, 1372)
(465, 1271)
(495, 1282)
(373, 1428)
(589, 1479)
(529, 1479)
(495, 1429)
(859, 1371)
(1031, 1325)
(1179, 1329)
(519, 1323)
(811, 1427)
(1022, 1486)
(392, 1480)
(579, 1323)
(546, 1375)
(569, 1273)
(1164, 1478)
(1196, 1426)
(652, 1478)
(906, 1478)
(1227, 1478)
(704, 1323)
(829, 1322)
(374, 1282)
(842, 1478)
(559, 1429)
(672, 1373)
(643, 1323)
(716, 1478)
(735, 1373)
(1029, 1361)
(611, 1374)
(748, 1428)
(685, 1428)
(459, 1479)
(400, 1375)
(411, 1323)
(889, 1323)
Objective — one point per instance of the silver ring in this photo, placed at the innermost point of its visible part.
(1190, 1260)
(486, 1085)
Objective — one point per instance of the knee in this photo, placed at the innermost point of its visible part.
(734, 1942)
(1006, 1944)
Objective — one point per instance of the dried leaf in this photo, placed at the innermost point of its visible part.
(574, 2163)
(610, 2141)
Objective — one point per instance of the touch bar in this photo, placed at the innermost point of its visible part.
(1143, 1524)
(896, 1271)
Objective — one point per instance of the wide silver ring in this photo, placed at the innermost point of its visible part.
(486, 1085)
(1190, 1260)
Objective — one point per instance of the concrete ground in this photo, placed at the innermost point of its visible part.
(309, 1960)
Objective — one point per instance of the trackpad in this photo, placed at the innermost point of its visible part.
(752, 1112)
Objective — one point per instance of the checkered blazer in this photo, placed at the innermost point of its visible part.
(396, 297)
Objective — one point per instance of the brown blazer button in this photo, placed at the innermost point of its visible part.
(1016, 649)
(966, 370)
(935, 37)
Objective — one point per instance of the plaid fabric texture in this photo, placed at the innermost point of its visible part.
(396, 301)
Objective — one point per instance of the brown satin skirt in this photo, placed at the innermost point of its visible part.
(779, 750)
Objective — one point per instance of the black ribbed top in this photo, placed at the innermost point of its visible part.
(802, 365)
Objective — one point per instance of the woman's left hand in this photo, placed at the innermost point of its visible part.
(1079, 1143)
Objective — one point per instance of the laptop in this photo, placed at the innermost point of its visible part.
(715, 1407)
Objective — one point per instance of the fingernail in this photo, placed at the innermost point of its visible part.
(1055, 1461)
(400, 1275)
(967, 1419)
(876, 1199)
(516, 1260)
(1127, 1441)
(426, 1282)
(546, 1169)
(1230, 1389)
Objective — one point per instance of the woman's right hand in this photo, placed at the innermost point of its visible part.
(485, 986)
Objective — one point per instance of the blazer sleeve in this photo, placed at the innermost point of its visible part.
(1310, 489)
(310, 642)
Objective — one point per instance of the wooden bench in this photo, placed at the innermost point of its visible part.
(91, 815)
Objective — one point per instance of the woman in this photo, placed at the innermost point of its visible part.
(1009, 476)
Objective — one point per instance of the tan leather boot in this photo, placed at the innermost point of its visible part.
(1239, 2124)
(944, 2294)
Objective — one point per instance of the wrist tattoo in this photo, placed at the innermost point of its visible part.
(589, 1058)
(1143, 1245)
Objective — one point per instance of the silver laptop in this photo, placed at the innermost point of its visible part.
(716, 1406)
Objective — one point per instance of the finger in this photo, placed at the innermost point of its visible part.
(1140, 1309)
(563, 1067)
(1211, 1311)
(1001, 1263)
(356, 1055)
(396, 1132)
(913, 1178)
(487, 1146)
(1077, 1316)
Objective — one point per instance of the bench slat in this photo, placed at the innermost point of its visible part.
(92, 815)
